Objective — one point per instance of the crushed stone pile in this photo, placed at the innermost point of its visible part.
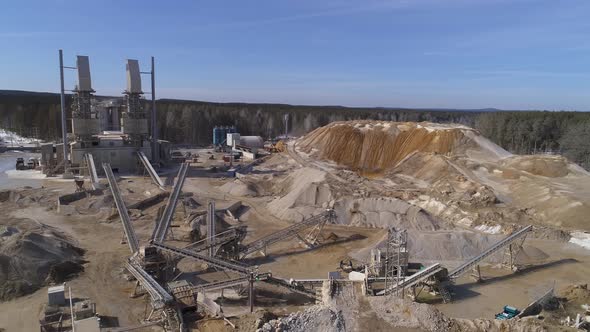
(33, 255)
(315, 318)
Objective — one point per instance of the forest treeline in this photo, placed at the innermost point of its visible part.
(191, 122)
(530, 132)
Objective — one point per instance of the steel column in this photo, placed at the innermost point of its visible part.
(64, 128)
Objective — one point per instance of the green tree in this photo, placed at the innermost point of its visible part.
(574, 144)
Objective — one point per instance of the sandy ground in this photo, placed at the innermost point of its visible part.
(568, 264)
(102, 281)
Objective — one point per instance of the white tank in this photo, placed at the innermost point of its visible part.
(252, 141)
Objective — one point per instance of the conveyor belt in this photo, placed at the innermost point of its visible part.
(415, 278)
(232, 234)
(222, 284)
(162, 227)
(127, 227)
(468, 265)
(296, 289)
(157, 293)
(285, 233)
(91, 170)
(151, 171)
(219, 263)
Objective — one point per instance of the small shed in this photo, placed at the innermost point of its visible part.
(56, 295)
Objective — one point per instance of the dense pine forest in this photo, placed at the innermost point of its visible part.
(191, 122)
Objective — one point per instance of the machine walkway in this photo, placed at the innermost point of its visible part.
(92, 170)
(158, 294)
(468, 265)
(151, 171)
(164, 223)
(286, 233)
(212, 261)
(415, 278)
(123, 213)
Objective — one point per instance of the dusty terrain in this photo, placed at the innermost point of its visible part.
(453, 191)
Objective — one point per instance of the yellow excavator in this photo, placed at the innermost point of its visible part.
(279, 146)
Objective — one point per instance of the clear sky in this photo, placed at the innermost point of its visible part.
(510, 54)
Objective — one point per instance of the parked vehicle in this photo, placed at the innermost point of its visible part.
(32, 163)
(20, 164)
(508, 313)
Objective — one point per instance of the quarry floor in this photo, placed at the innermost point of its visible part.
(103, 283)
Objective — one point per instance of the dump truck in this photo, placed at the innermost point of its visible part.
(20, 164)
(508, 313)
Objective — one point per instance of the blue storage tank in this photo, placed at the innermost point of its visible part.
(220, 134)
(215, 135)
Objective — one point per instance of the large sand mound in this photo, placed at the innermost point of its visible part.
(374, 146)
(451, 172)
(33, 255)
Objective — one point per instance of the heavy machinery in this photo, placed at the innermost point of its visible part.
(508, 313)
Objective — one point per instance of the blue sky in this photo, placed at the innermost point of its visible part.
(510, 54)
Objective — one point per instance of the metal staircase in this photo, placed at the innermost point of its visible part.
(317, 222)
(468, 265)
(127, 227)
(148, 166)
(164, 223)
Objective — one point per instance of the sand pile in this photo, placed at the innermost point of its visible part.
(383, 212)
(373, 146)
(549, 166)
(33, 255)
(451, 247)
(239, 188)
(28, 196)
(303, 193)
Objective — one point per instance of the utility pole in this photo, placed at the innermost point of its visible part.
(155, 148)
(286, 121)
(64, 129)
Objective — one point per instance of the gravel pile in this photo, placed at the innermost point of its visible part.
(316, 318)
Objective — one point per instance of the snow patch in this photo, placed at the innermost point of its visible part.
(489, 229)
(12, 138)
(580, 238)
(25, 174)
